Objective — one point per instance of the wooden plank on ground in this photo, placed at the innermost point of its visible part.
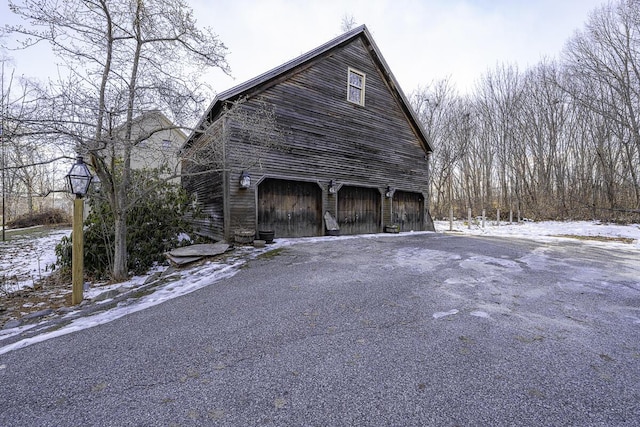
(182, 260)
(201, 250)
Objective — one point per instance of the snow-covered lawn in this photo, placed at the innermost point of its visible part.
(600, 233)
(27, 256)
(29, 264)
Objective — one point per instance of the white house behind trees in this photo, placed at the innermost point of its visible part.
(156, 143)
(32, 189)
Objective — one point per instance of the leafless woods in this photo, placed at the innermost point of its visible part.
(560, 140)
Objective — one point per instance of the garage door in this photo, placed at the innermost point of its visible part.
(408, 211)
(290, 208)
(359, 210)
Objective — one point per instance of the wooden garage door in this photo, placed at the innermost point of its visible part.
(408, 211)
(359, 210)
(290, 208)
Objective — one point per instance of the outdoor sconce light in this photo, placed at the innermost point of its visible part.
(79, 178)
(389, 192)
(245, 180)
(332, 187)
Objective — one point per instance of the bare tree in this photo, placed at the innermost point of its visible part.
(603, 76)
(540, 155)
(121, 59)
(445, 120)
(559, 140)
(499, 106)
(23, 160)
(348, 23)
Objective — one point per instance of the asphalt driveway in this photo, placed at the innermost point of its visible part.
(418, 329)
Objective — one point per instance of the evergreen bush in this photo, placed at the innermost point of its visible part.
(155, 225)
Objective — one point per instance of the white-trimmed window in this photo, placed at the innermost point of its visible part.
(355, 86)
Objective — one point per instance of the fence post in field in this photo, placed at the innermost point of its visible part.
(451, 219)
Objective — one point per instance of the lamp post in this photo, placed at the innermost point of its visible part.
(78, 178)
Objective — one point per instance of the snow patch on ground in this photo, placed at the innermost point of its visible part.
(482, 314)
(441, 314)
(549, 230)
(28, 259)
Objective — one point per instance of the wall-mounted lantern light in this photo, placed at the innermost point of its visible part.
(389, 192)
(245, 180)
(332, 187)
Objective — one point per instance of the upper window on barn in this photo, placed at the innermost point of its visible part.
(355, 86)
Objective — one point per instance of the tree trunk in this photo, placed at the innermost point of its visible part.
(30, 201)
(120, 250)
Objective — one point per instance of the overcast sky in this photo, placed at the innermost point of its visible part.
(421, 40)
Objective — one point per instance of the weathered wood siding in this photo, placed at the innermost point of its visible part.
(329, 138)
(203, 178)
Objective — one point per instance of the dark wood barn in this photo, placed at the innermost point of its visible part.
(328, 132)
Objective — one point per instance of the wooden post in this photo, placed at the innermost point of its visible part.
(498, 217)
(484, 215)
(450, 219)
(77, 253)
(469, 217)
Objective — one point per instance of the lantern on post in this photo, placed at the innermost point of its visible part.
(79, 178)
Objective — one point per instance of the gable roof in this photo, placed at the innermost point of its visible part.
(254, 85)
